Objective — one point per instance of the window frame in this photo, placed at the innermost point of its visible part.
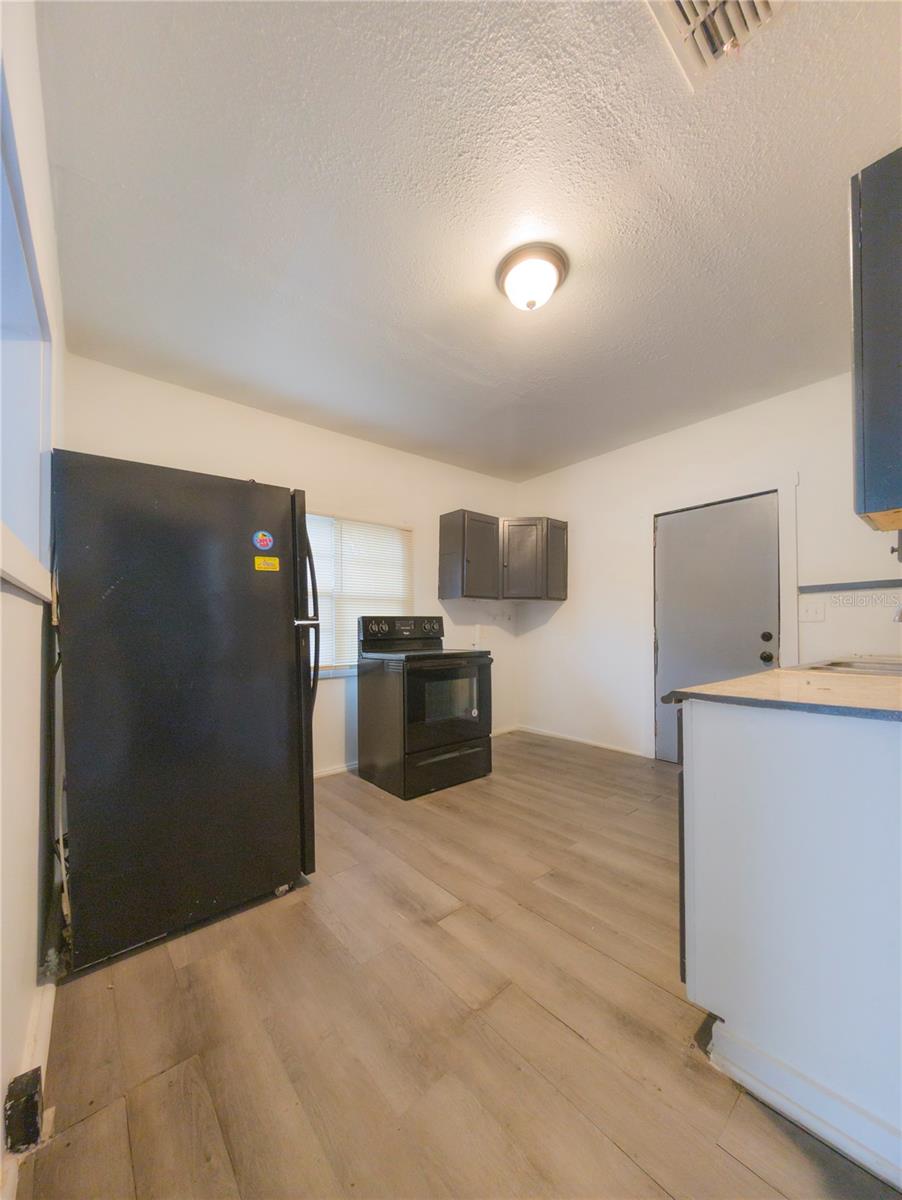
(19, 564)
(346, 670)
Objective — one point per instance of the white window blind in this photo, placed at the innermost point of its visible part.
(361, 569)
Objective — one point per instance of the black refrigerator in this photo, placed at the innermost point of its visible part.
(189, 652)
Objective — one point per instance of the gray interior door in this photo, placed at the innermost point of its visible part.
(717, 599)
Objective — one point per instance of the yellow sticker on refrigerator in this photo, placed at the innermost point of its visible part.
(264, 563)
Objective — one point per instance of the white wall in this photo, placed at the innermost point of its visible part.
(117, 413)
(27, 1009)
(588, 663)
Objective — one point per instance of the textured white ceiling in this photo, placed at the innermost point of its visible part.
(301, 207)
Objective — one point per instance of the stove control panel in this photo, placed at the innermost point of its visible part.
(396, 628)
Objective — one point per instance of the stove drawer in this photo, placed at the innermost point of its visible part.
(432, 770)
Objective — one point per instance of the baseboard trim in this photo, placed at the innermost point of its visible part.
(37, 1042)
(34, 1054)
(340, 770)
(566, 737)
(860, 1135)
(10, 1180)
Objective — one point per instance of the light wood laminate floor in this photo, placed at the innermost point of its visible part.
(476, 996)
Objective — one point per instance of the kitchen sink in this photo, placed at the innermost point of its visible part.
(860, 666)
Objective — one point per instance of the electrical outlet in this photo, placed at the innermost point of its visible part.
(812, 610)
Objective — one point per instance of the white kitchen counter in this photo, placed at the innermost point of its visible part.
(793, 899)
(846, 693)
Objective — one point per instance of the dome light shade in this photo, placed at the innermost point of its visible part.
(530, 275)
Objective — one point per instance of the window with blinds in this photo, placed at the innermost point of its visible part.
(360, 569)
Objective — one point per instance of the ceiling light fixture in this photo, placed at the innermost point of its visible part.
(530, 275)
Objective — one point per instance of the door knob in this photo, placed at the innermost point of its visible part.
(766, 656)
(767, 636)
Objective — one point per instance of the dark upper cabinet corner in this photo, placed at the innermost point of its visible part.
(469, 556)
(514, 558)
(877, 340)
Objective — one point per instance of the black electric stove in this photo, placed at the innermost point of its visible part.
(424, 713)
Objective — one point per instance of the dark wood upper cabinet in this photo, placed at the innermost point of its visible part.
(877, 326)
(556, 560)
(522, 558)
(533, 558)
(516, 558)
(468, 562)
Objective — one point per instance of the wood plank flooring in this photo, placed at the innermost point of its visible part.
(476, 996)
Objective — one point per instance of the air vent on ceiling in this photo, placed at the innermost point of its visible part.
(702, 33)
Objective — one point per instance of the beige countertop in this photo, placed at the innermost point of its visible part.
(843, 693)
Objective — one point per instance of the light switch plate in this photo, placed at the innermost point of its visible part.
(812, 610)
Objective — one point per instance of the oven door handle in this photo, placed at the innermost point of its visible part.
(450, 664)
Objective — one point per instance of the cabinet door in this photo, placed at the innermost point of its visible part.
(877, 304)
(480, 556)
(556, 555)
(523, 559)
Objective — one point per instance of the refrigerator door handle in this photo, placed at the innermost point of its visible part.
(314, 591)
(313, 621)
(314, 683)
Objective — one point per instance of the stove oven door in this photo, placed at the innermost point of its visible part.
(449, 700)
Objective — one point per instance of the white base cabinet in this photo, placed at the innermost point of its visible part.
(793, 914)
